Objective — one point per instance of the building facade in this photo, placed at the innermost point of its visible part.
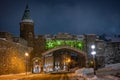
(53, 53)
(12, 54)
(52, 49)
(112, 50)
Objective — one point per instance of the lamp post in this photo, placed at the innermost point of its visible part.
(93, 53)
(26, 55)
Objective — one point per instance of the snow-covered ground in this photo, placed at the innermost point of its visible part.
(84, 71)
(108, 77)
(106, 73)
(111, 69)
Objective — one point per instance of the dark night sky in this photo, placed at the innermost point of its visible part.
(72, 16)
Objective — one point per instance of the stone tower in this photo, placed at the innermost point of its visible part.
(27, 27)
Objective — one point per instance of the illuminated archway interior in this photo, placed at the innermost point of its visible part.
(63, 60)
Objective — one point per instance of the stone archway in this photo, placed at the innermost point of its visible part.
(53, 62)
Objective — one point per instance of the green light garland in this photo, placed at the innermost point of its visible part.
(72, 43)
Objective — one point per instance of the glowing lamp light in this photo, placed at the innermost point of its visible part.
(93, 46)
(69, 60)
(93, 52)
(26, 54)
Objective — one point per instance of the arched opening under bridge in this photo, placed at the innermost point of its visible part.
(63, 58)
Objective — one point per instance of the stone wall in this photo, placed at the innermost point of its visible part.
(39, 46)
(12, 59)
(6, 35)
(112, 53)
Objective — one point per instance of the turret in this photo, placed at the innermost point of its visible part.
(27, 27)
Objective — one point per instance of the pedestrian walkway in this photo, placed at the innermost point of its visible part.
(107, 77)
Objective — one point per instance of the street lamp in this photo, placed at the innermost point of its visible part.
(93, 46)
(26, 55)
(93, 53)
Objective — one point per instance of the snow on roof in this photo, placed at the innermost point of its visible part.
(3, 39)
(113, 39)
(27, 20)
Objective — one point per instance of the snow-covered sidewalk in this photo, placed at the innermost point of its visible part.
(107, 77)
(106, 73)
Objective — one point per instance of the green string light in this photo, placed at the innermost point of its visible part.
(55, 43)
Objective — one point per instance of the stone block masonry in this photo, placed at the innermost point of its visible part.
(12, 58)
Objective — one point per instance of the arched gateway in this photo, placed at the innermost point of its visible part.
(63, 58)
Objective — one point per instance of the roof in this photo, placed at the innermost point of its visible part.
(26, 16)
(113, 39)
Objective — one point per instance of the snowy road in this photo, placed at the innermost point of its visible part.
(61, 76)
